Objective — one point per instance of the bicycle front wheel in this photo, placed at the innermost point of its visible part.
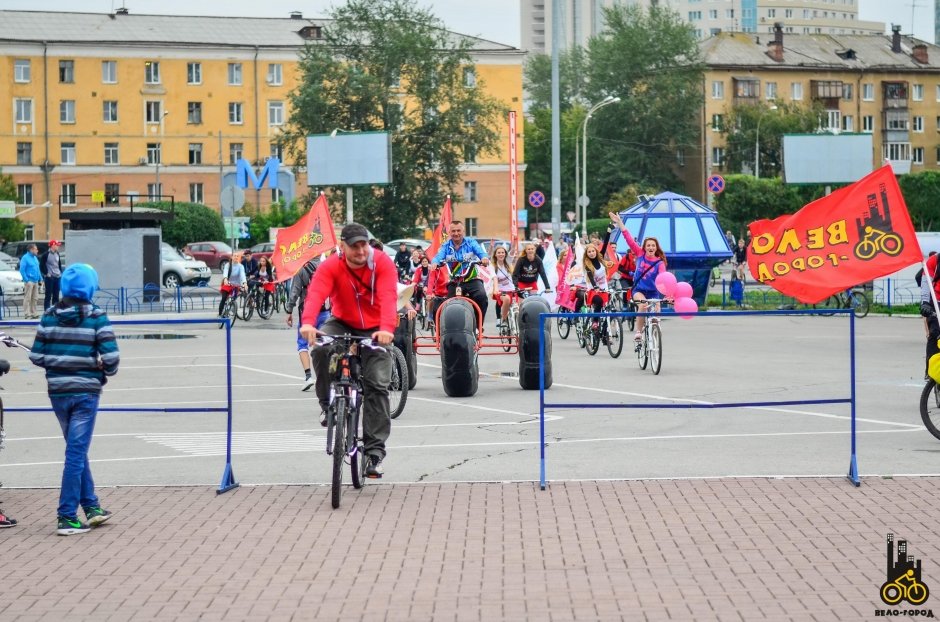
(642, 351)
(266, 308)
(631, 321)
(930, 407)
(563, 325)
(593, 337)
(614, 336)
(656, 348)
(832, 302)
(246, 306)
(398, 387)
(860, 302)
(339, 407)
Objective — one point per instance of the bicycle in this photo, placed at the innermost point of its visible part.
(230, 308)
(261, 298)
(509, 330)
(281, 294)
(893, 592)
(855, 299)
(606, 330)
(649, 350)
(930, 407)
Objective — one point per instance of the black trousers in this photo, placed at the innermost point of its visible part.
(473, 290)
(934, 327)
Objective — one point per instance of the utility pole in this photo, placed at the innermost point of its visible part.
(556, 123)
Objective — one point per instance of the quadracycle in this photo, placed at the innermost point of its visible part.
(459, 340)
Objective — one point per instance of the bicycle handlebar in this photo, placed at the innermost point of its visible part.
(323, 340)
(11, 342)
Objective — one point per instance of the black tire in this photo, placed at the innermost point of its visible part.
(580, 329)
(357, 467)
(593, 338)
(861, 303)
(655, 348)
(563, 326)
(339, 449)
(230, 311)
(930, 407)
(460, 373)
(631, 321)
(405, 341)
(266, 309)
(642, 354)
(172, 280)
(614, 336)
(529, 311)
(832, 302)
(398, 387)
(246, 306)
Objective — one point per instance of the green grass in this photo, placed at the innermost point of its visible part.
(769, 301)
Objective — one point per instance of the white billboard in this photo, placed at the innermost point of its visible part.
(349, 159)
(826, 158)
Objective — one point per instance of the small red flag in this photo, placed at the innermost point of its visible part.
(440, 232)
(307, 238)
(856, 234)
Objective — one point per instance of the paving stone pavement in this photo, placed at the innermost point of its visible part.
(713, 549)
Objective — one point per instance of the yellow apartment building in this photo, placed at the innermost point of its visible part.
(153, 105)
(887, 85)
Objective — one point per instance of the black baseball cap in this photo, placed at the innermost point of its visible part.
(354, 232)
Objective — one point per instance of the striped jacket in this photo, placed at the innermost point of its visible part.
(75, 345)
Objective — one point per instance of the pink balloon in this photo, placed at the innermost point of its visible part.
(686, 305)
(682, 290)
(666, 283)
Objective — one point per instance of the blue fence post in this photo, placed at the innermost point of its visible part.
(179, 299)
(853, 461)
(228, 476)
(542, 401)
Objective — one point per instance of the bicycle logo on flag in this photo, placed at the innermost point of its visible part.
(875, 230)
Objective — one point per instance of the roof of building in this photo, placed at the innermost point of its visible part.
(818, 51)
(175, 30)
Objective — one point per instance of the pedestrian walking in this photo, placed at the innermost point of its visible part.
(32, 277)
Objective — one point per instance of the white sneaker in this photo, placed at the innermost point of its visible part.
(309, 382)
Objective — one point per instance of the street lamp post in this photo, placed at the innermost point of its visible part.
(757, 142)
(583, 199)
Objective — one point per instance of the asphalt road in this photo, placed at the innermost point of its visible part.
(494, 435)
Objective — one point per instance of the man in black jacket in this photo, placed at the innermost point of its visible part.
(403, 259)
(50, 265)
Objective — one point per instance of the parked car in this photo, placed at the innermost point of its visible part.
(8, 262)
(18, 249)
(11, 283)
(410, 243)
(489, 243)
(217, 255)
(176, 270)
(264, 249)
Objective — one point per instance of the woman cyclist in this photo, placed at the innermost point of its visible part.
(528, 269)
(595, 280)
(650, 262)
(503, 287)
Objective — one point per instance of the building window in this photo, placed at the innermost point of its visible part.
(275, 74)
(275, 113)
(718, 156)
(917, 92)
(848, 123)
(112, 194)
(111, 155)
(897, 152)
(24, 153)
(193, 73)
(67, 153)
(21, 70)
(713, 14)
(868, 92)
(897, 120)
(718, 89)
(938, 92)
(24, 110)
(847, 91)
(746, 89)
(695, 15)
(394, 80)
(718, 122)
(154, 153)
(68, 194)
(917, 155)
(277, 151)
(235, 113)
(788, 13)
(196, 193)
(67, 71)
(469, 77)
(393, 116)
(471, 226)
(276, 195)
(152, 72)
(918, 124)
(469, 153)
(109, 71)
(67, 111)
(24, 194)
(796, 91)
(194, 113)
(833, 120)
(470, 192)
(109, 111)
(868, 123)
(770, 90)
(235, 151)
(771, 12)
(154, 192)
(195, 153)
(235, 74)
(153, 112)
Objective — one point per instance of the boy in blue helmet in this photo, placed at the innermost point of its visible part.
(75, 345)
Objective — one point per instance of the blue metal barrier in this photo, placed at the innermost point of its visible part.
(853, 463)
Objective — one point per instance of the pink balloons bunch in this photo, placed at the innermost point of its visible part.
(666, 283)
(682, 290)
(686, 305)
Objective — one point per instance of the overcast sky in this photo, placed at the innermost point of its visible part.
(497, 20)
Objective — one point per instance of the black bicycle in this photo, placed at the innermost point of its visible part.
(930, 407)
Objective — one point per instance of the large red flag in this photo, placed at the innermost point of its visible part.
(440, 232)
(856, 234)
(307, 238)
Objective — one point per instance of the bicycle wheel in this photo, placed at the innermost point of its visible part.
(593, 337)
(860, 303)
(631, 321)
(356, 465)
(930, 407)
(832, 302)
(581, 331)
(339, 407)
(655, 348)
(246, 307)
(642, 352)
(229, 311)
(614, 336)
(266, 305)
(398, 387)
(564, 327)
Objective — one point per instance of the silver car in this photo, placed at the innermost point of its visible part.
(177, 270)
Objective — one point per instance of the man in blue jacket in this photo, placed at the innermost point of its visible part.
(32, 277)
(464, 250)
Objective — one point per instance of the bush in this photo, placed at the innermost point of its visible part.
(192, 222)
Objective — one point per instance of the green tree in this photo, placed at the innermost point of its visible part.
(628, 196)
(10, 228)
(192, 222)
(746, 199)
(922, 195)
(740, 128)
(537, 79)
(390, 65)
(538, 142)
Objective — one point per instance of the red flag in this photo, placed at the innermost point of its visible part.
(612, 259)
(440, 232)
(856, 234)
(307, 238)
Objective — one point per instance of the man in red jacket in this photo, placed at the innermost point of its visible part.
(362, 287)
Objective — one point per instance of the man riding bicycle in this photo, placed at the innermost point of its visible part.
(461, 249)
(361, 286)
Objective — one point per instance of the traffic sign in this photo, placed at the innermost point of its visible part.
(97, 196)
(584, 201)
(232, 200)
(716, 183)
(536, 198)
(7, 209)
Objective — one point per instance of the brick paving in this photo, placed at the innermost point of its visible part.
(719, 549)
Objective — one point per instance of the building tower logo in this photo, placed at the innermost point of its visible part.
(875, 232)
(903, 577)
